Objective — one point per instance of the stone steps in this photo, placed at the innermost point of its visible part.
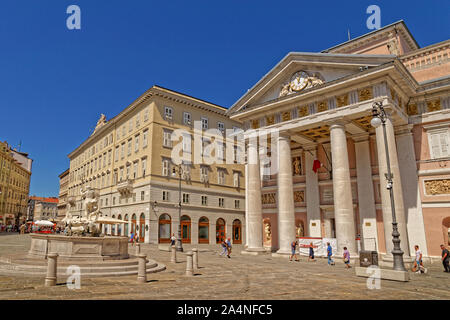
(90, 270)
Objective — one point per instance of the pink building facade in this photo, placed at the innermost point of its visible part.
(319, 105)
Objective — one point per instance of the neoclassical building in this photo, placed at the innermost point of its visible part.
(129, 161)
(316, 167)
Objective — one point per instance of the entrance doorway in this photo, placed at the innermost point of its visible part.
(142, 228)
(237, 231)
(165, 228)
(220, 230)
(186, 229)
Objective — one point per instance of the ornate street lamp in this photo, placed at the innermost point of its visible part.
(379, 118)
(179, 245)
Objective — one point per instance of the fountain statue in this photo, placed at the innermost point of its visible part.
(87, 223)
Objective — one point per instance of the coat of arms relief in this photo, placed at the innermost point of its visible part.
(299, 81)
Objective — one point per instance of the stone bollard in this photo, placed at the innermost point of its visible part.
(195, 257)
(142, 272)
(189, 271)
(50, 279)
(173, 255)
(138, 249)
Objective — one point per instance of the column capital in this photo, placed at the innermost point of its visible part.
(337, 122)
(404, 130)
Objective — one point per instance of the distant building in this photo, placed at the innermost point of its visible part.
(15, 175)
(63, 191)
(40, 208)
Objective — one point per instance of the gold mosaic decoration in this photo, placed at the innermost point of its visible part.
(322, 106)
(270, 120)
(364, 122)
(365, 94)
(255, 124)
(412, 110)
(268, 198)
(433, 105)
(342, 100)
(299, 196)
(286, 116)
(302, 111)
(436, 187)
(317, 133)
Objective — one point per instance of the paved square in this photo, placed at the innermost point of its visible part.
(241, 277)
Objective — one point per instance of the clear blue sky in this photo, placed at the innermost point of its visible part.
(54, 82)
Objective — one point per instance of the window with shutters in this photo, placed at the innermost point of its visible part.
(439, 143)
(136, 143)
(167, 141)
(168, 113)
(187, 118)
(165, 167)
(144, 138)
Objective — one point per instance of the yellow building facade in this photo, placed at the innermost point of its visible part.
(129, 160)
(15, 175)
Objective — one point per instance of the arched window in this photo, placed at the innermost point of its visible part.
(237, 231)
(203, 230)
(220, 230)
(126, 225)
(165, 228)
(142, 227)
(133, 223)
(119, 226)
(186, 229)
(113, 227)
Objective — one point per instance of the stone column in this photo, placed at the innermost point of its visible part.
(142, 272)
(286, 213)
(195, 258)
(411, 193)
(189, 264)
(254, 209)
(173, 255)
(138, 249)
(312, 193)
(366, 198)
(342, 190)
(52, 269)
(246, 205)
(397, 188)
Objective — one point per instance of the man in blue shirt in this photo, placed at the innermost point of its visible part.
(329, 254)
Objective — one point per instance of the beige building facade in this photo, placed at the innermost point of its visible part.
(129, 160)
(63, 193)
(316, 167)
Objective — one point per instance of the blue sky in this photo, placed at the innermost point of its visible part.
(55, 82)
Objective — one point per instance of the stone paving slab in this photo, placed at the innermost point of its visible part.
(241, 277)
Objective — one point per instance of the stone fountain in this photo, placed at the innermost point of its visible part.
(82, 244)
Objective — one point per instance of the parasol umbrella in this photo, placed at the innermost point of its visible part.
(44, 223)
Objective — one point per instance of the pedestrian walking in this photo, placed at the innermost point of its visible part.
(311, 252)
(136, 238)
(329, 254)
(347, 258)
(294, 251)
(418, 264)
(173, 239)
(132, 238)
(224, 247)
(228, 247)
(445, 258)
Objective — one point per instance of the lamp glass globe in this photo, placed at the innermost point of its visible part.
(375, 122)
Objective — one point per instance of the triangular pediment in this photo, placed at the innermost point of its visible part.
(298, 72)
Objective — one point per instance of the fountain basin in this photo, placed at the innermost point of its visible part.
(77, 247)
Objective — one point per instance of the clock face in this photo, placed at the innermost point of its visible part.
(299, 81)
